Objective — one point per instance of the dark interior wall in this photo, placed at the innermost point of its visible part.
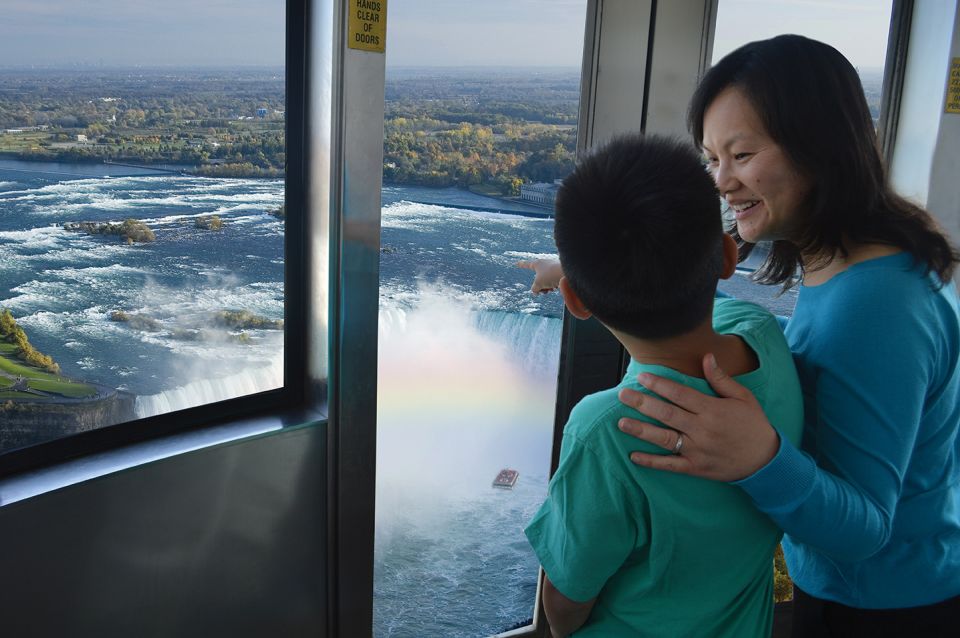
(225, 541)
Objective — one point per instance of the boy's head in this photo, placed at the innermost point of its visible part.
(640, 236)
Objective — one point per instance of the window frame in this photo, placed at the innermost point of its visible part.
(894, 74)
(288, 398)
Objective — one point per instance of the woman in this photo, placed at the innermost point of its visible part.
(871, 506)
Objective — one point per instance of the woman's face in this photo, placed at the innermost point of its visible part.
(762, 186)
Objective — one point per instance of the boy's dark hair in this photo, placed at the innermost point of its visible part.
(639, 234)
(811, 102)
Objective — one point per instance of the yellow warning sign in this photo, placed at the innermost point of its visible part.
(367, 26)
(953, 88)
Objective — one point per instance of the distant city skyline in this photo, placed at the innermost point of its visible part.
(520, 33)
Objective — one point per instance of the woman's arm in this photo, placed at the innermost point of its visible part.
(869, 403)
(723, 439)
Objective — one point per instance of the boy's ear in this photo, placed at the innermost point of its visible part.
(729, 257)
(572, 301)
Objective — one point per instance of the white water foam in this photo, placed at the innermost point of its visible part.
(251, 380)
(517, 255)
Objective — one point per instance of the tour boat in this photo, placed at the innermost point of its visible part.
(506, 479)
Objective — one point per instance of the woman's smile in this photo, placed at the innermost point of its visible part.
(743, 209)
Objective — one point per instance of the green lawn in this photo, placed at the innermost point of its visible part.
(18, 142)
(70, 389)
(37, 379)
(485, 189)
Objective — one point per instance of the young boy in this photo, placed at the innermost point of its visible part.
(630, 551)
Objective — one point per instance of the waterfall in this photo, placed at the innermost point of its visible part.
(211, 389)
(533, 340)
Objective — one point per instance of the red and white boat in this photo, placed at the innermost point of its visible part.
(506, 479)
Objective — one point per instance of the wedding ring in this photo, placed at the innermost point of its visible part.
(679, 445)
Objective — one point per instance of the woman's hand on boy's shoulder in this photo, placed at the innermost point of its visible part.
(723, 438)
(547, 274)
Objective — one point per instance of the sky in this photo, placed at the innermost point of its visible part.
(420, 32)
(142, 32)
(857, 28)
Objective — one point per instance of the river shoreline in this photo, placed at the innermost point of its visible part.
(189, 170)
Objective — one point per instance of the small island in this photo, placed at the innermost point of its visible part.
(208, 222)
(232, 324)
(246, 320)
(131, 230)
(139, 322)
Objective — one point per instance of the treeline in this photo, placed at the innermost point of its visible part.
(141, 98)
(464, 128)
(238, 169)
(13, 333)
(215, 153)
(495, 129)
(225, 118)
(427, 153)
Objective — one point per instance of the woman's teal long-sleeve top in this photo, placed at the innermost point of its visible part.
(871, 504)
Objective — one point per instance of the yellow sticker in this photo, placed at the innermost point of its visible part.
(953, 88)
(367, 26)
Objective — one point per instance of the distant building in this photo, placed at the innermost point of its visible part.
(261, 112)
(24, 129)
(81, 137)
(540, 193)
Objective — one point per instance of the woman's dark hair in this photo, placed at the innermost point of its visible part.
(640, 237)
(811, 102)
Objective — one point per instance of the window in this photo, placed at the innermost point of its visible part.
(142, 216)
(475, 136)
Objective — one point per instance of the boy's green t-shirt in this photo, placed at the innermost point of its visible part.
(665, 554)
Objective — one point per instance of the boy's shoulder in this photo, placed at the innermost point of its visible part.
(754, 324)
(593, 420)
(592, 412)
(775, 383)
(736, 315)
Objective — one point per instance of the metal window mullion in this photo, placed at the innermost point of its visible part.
(894, 73)
(356, 144)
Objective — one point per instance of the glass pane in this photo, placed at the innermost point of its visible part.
(468, 358)
(857, 29)
(141, 210)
